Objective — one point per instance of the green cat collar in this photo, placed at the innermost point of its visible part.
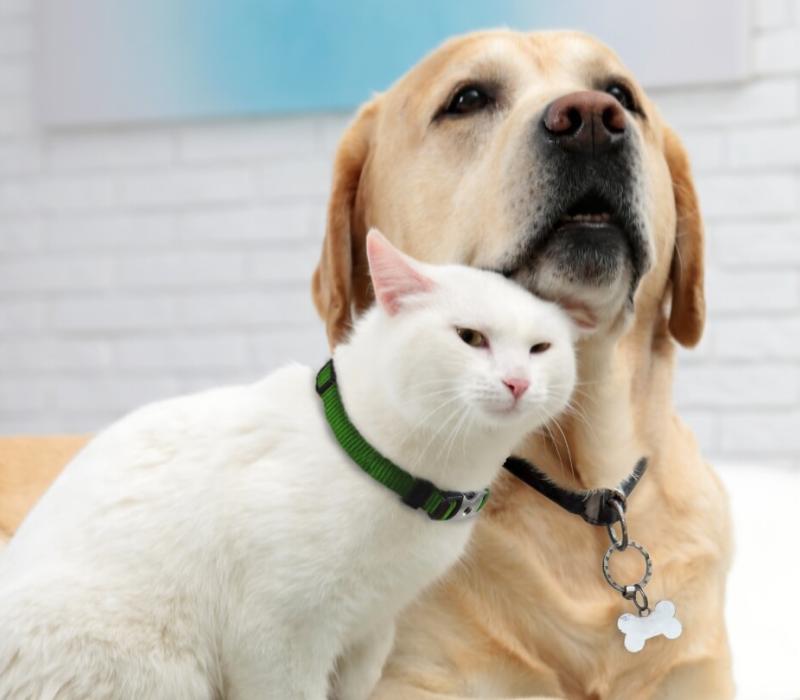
(415, 493)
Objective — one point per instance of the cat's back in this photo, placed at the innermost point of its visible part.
(126, 551)
(161, 468)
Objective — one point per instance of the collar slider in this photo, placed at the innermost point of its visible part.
(326, 378)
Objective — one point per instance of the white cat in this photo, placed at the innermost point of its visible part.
(225, 545)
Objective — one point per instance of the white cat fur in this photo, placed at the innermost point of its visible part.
(223, 545)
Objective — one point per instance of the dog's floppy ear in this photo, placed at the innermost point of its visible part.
(333, 286)
(688, 313)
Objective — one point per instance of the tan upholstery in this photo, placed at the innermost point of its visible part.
(27, 467)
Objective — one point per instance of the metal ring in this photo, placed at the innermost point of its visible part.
(638, 597)
(648, 567)
(620, 543)
(620, 495)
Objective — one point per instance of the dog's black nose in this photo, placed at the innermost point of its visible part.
(587, 122)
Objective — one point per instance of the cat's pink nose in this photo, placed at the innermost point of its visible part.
(516, 386)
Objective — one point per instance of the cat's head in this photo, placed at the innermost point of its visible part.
(462, 348)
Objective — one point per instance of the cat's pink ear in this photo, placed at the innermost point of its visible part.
(394, 276)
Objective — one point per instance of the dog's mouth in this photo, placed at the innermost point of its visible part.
(591, 235)
(592, 221)
(585, 251)
(590, 210)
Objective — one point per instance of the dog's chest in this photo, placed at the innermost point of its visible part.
(571, 626)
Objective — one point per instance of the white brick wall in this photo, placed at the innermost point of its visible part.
(741, 392)
(136, 262)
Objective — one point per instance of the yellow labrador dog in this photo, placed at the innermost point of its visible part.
(538, 155)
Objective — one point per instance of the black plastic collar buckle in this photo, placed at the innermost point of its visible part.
(420, 492)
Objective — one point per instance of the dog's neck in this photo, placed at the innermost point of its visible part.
(607, 430)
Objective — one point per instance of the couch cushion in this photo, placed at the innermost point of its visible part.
(27, 466)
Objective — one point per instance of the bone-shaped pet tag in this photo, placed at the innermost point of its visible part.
(638, 629)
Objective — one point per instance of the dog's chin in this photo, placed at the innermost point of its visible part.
(591, 254)
(587, 268)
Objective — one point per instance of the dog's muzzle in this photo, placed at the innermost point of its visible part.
(587, 229)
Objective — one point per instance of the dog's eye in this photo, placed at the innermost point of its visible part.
(539, 348)
(467, 100)
(474, 339)
(622, 95)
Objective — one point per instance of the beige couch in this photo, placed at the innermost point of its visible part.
(27, 466)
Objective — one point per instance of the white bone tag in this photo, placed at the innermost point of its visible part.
(661, 621)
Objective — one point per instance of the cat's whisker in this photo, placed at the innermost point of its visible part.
(443, 451)
(573, 390)
(577, 411)
(456, 395)
(443, 426)
(418, 397)
(566, 446)
(470, 425)
(456, 433)
(437, 454)
(455, 436)
(429, 382)
(588, 383)
(584, 394)
(438, 392)
(436, 395)
(554, 444)
(573, 409)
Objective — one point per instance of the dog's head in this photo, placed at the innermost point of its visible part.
(537, 155)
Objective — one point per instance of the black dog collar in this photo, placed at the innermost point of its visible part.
(597, 506)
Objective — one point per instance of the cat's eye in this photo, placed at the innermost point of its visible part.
(539, 348)
(473, 338)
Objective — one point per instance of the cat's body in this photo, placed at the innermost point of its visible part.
(202, 573)
(223, 544)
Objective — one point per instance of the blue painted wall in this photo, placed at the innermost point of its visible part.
(129, 60)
